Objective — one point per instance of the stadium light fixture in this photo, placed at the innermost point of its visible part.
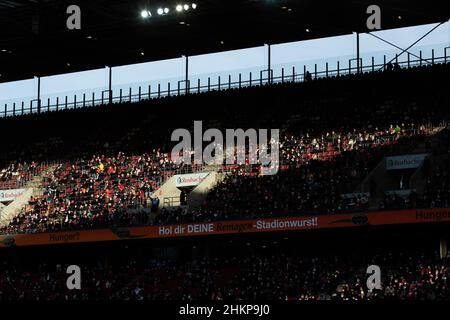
(165, 10)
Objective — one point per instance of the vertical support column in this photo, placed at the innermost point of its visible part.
(269, 63)
(39, 95)
(358, 67)
(110, 86)
(187, 75)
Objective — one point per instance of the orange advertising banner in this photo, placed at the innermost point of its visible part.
(231, 227)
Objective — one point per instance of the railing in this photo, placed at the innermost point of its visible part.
(171, 201)
(290, 75)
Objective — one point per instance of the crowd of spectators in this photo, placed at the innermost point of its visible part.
(436, 193)
(15, 175)
(315, 174)
(101, 191)
(260, 276)
(309, 183)
(329, 142)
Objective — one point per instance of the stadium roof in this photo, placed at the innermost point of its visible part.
(34, 39)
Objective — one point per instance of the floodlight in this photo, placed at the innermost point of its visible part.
(194, 6)
(166, 10)
(186, 7)
(179, 8)
(160, 11)
(144, 14)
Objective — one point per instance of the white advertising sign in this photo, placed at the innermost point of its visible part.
(190, 180)
(409, 161)
(10, 195)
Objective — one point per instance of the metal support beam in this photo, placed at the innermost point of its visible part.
(39, 95)
(358, 70)
(110, 86)
(395, 46)
(417, 41)
(187, 75)
(269, 63)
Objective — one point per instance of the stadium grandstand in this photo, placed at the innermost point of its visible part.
(358, 176)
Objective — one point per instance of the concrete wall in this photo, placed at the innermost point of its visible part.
(168, 191)
(13, 209)
(198, 195)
